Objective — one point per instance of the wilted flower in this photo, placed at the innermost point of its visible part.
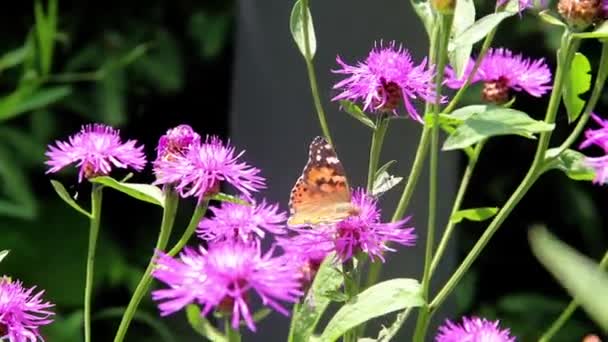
(199, 172)
(501, 70)
(598, 137)
(22, 312)
(225, 277)
(96, 149)
(363, 232)
(177, 141)
(473, 329)
(386, 77)
(232, 221)
(581, 13)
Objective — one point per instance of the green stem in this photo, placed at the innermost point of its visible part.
(312, 77)
(166, 227)
(464, 184)
(375, 149)
(536, 169)
(198, 214)
(482, 53)
(445, 25)
(232, 335)
(96, 199)
(351, 289)
(598, 87)
(567, 313)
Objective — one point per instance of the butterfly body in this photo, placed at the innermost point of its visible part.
(322, 194)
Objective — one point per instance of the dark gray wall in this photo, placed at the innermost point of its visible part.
(273, 115)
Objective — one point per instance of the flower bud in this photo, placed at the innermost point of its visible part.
(579, 14)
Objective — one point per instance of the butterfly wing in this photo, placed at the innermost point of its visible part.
(322, 194)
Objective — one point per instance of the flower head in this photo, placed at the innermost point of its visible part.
(199, 171)
(523, 4)
(501, 71)
(579, 14)
(473, 329)
(598, 137)
(361, 232)
(96, 149)
(177, 141)
(22, 312)
(386, 77)
(225, 277)
(232, 221)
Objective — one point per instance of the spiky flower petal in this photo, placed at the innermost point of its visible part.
(473, 329)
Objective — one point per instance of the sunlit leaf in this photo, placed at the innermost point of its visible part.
(4, 253)
(479, 29)
(464, 17)
(296, 25)
(572, 163)
(578, 81)
(384, 182)
(143, 192)
(425, 13)
(550, 19)
(475, 214)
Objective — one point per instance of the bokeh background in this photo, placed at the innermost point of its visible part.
(145, 66)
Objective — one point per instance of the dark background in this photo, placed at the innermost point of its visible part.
(231, 69)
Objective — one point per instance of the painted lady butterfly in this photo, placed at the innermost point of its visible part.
(321, 195)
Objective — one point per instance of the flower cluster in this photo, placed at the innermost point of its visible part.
(22, 312)
(473, 329)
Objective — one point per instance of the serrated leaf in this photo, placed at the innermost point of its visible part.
(296, 25)
(65, 196)
(578, 274)
(572, 163)
(464, 17)
(378, 300)
(475, 214)
(384, 182)
(479, 29)
(356, 112)
(201, 325)
(309, 312)
(425, 13)
(494, 122)
(143, 192)
(546, 16)
(4, 253)
(222, 197)
(578, 81)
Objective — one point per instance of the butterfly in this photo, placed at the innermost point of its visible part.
(321, 195)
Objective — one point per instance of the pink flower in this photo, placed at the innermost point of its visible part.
(473, 329)
(598, 137)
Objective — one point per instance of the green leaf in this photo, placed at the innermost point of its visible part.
(110, 98)
(578, 81)
(15, 57)
(18, 200)
(210, 32)
(25, 99)
(570, 162)
(222, 197)
(550, 19)
(466, 112)
(65, 196)
(479, 30)
(384, 167)
(151, 321)
(143, 192)
(475, 214)
(494, 122)
(162, 65)
(65, 328)
(464, 17)
(4, 253)
(425, 13)
(202, 326)
(384, 182)
(378, 300)
(296, 25)
(578, 274)
(306, 315)
(357, 113)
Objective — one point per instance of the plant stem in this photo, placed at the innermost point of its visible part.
(96, 199)
(445, 25)
(482, 53)
(536, 169)
(375, 149)
(312, 77)
(166, 226)
(199, 212)
(464, 184)
(232, 335)
(351, 289)
(598, 87)
(568, 311)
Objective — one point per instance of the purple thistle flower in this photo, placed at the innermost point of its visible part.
(95, 149)
(387, 76)
(605, 8)
(22, 312)
(501, 70)
(306, 252)
(224, 277)
(598, 137)
(473, 329)
(199, 172)
(362, 232)
(523, 4)
(232, 221)
(177, 141)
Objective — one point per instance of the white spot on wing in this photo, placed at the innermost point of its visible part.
(332, 160)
